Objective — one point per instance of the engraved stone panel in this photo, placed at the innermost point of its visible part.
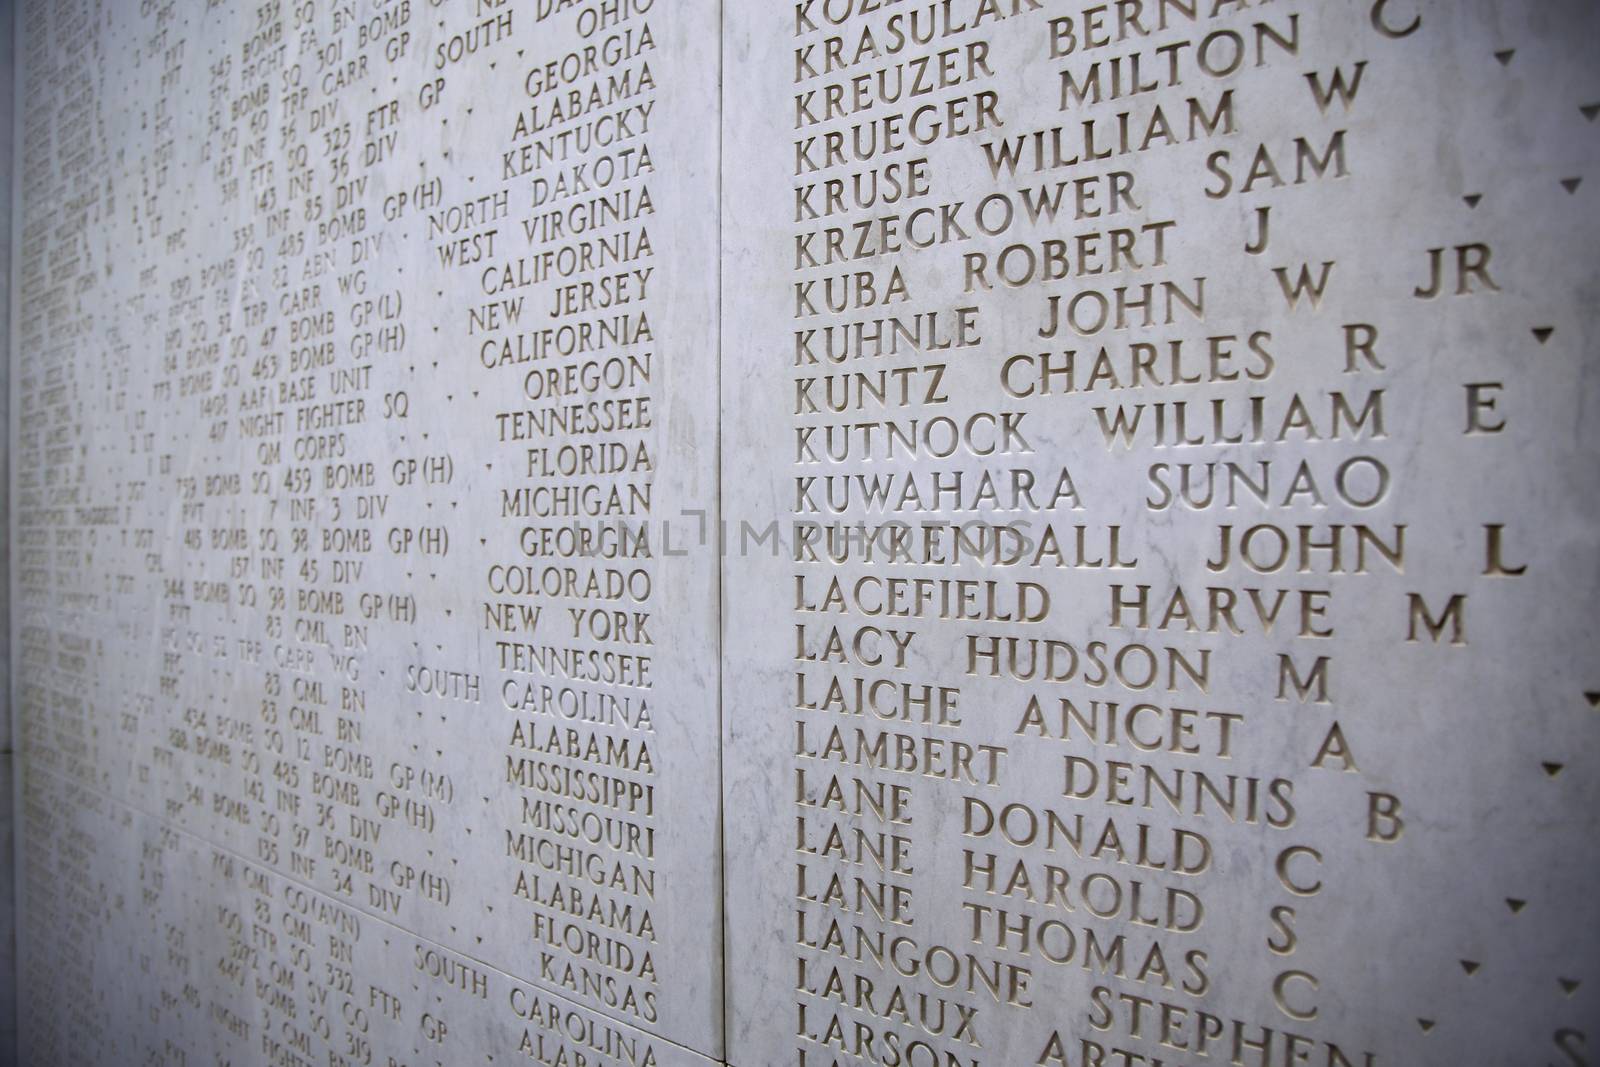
(366, 717)
(1062, 532)
(1180, 647)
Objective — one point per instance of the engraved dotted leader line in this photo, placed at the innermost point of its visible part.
(376, 918)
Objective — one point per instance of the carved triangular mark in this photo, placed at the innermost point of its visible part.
(1542, 333)
(1505, 56)
(1593, 697)
(1470, 966)
(1571, 184)
(1552, 769)
(1516, 905)
(1472, 199)
(1427, 1025)
(1590, 111)
(1569, 986)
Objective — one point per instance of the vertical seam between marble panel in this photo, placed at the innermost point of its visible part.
(11, 13)
(721, 561)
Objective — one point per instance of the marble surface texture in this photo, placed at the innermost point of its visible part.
(836, 533)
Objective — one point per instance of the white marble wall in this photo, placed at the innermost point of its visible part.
(1061, 803)
(365, 358)
(838, 532)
